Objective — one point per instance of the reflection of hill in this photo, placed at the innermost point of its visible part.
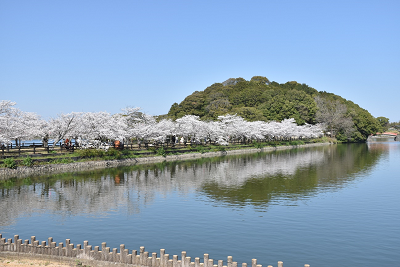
(334, 168)
(252, 178)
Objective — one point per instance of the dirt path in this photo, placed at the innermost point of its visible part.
(25, 262)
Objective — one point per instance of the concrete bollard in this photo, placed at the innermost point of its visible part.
(154, 259)
(175, 260)
(210, 262)
(115, 255)
(26, 246)
(166, 259)
(2, 243)
(134, 254)
(96, 253)
(43, 247)
(137, 259)
(141, 259)
(162, 252)
(36, 246)
(183, 259)
(206, 256)
(19, 245)
(188, 260)
(16, 237)
(229, 261)
(128, 257)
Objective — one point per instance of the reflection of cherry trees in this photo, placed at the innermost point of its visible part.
(133, 124)
(134, 189)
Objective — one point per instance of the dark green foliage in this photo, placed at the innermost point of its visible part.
(28, 161)
(384, 123)
(62, 161)
(260, 99)
(10, 163)
(113, 154)
(90, 153)
(257, 144)
(161, 152)
(201, 149)
(257, 99)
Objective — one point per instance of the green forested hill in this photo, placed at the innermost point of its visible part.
(260, 99)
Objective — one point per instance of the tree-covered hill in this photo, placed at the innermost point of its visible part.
(262, 100)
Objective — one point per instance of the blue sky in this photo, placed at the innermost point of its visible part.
(63, 56)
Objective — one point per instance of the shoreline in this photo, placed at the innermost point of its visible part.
(23, 172)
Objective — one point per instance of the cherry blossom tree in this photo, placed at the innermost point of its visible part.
(18, 125)
(101, 127)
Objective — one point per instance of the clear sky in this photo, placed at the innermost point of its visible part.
(97, 55)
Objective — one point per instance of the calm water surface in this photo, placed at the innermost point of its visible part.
(325, 206)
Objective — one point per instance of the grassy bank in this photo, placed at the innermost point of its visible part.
(117, 154)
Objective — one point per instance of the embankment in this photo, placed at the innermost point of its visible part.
(22, 172)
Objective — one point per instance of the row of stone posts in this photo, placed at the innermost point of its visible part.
(140, 258)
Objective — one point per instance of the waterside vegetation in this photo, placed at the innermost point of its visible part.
(262, 100)
(82, 155)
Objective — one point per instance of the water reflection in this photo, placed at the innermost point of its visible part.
(274, 181)
(254, 179)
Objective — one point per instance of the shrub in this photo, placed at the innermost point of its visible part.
(62, 161)
(113, 154)
(161, 152)
(28, 161)
(257, 144)
(221, 148)
(10, 163)
(90, 153)
(201, 149)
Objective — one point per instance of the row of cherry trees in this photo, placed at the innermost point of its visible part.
(133, 124)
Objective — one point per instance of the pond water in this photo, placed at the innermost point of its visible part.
(326, 206)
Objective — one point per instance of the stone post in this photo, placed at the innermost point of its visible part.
(280, 264)
(229, 261)
(115, 255)
(19, 245)
(134, 254)
(122, 254)
(183, 259)
(175, 260)
(188, 261)
(210, 263)
(103, 251)
(162, 252)
(141, 254)
(206, 256)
